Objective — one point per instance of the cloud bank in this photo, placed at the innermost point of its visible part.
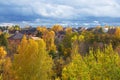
(41, 10)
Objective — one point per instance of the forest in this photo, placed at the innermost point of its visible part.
(59, 53)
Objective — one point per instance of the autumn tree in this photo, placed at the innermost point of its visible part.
(48, 37)
(2, 56)
(77, 45)
(97, 65)
(117, 32)
(8, 73)
(50, 43)
(56, 28)
(2, 60)
(42, 29)
(68, 30)
(76, 69)
(103, 64)
(39, 33)
(32, 61)
(66, 45)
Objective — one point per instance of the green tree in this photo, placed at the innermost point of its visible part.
(3, 40)
(66, 45)
(16, 27)
(97, 65)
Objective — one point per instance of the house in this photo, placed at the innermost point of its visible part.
(31, 31)
(74, 30)
(105, 29)
(91, 29)
(35, 38)
(15, 38)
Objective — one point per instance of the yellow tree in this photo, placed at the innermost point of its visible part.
(49, 39)
(41, 29)
(44, 32)
(2, 60)
(32, 61)
(8, 73)
(68, 30)
(38, 28)
(2, 55)
(117, 32)
(22, 45)
(56, 28)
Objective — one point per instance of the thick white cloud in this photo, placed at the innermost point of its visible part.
(64, 8)
(97, 8)
(53, 10)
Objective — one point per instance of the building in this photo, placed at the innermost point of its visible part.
(16, 38)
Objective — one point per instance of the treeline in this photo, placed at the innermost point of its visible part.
(62, 54)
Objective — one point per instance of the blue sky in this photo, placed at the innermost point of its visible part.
(42, 12)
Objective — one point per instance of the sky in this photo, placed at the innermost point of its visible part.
(65, 12)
